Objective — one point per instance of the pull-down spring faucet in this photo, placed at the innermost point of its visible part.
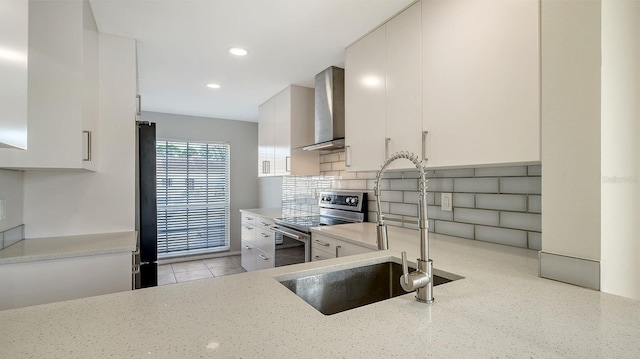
(422, 279)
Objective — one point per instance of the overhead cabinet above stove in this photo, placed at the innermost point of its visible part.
(285, 125)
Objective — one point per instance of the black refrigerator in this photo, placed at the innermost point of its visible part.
(146, 206)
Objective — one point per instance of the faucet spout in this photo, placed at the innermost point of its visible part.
(422, 279)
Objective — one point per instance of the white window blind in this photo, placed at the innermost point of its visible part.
(193, 197)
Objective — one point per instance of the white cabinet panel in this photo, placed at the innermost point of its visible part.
(40, 282)
(365, 109)
(285, 124)
(62, 86)
(481, 81)
(248, 256)
(14, 48)
(384, 93)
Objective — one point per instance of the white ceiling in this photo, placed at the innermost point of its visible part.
(182, 46)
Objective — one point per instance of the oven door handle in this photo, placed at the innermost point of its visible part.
(285, 233)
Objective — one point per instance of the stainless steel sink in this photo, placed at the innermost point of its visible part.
(341, 290)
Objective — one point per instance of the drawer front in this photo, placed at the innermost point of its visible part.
(248, 218)
(320, 255)
(344, 249)
(265, 240)
(264, 222)
(248, 256)
(264, 260)
(323, 243)
(248, 233)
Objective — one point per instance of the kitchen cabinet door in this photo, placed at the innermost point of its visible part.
(62, 87)
(286, 123)
(266, 138)
(404, 85)
(14, 36)
(365, 106)
(481, 82)
(282, 144)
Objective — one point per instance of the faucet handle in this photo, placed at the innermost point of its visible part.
(405, 268)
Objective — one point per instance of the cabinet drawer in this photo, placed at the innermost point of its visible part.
(344, 249)
(263, 222)
(323, 243)
(248, 256)
(265, 240)
(248, 233)
(264, 260)
(320, 255)
(248, 218)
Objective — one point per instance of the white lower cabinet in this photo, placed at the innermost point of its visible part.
(47, 281)
(258, 242)
(325, 247)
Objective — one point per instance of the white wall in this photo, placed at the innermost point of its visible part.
(60, 203)
(270, 189)
(571, 128)
(243, 139)
(11, 190)
(620, 148)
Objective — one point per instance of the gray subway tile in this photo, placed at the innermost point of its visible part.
(534, 170)
(505, 202)
(341, 156)
(509, 237)
(535, 204)
(384, 184)
(337, 166)
(392, 175)
(476, 216)
(410, 174)
(383, 205)
(440, 185)
(436, 213)
(432, 225)
(332, 157)
(462, 172)
(535, 240)
(391, 196)
(355, 184)
(325, 167)
(501, 171)
(464, 200)
(403, 209)
(366, 175)
(530, 185)
(404, 184)
(527, 221)
(414, 196)
(476, 185)
(348, 175)
(454, 229)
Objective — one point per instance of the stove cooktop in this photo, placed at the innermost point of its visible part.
(303, 223)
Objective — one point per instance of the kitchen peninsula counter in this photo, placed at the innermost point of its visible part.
(500, 309)
(47, 248)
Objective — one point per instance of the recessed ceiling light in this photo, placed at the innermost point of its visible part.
(213, 86)
(238, 51)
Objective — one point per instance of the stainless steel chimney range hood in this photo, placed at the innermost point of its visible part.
(329, 110)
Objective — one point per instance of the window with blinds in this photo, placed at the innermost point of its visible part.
(193, 197)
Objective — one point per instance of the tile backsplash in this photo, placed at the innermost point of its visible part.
(493, 204)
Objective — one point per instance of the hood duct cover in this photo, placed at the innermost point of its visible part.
(329, 110)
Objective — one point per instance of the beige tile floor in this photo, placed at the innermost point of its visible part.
(198, 269)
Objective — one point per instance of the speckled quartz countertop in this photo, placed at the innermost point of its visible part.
(501, 309)
(38, 249)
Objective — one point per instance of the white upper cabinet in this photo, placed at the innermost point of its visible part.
(383, 93)
(14, 38)
(62, 87)
(285, 125)
(481, 82)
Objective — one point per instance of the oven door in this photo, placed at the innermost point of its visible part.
(294, 248)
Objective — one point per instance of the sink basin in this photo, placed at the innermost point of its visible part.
(341, 290)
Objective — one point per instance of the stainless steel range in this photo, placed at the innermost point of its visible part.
(336, 207)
